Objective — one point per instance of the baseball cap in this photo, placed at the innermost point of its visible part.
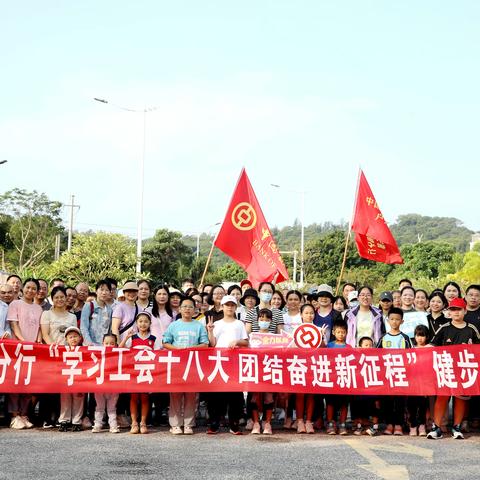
(353, 296)
(73, 329)
(245, 281)
(228, 299)
(457, 303)
(386, 296)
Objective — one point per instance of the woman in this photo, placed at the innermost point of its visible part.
(340, 304)
(436, 318)
(364, 320)
(421, 300)
(248, 302)
(266, 290)
(451, 290)
(143, 298)
(411, 318)
(214, 300)
(162, 315)
(124, 313)
(292, 318)
(24, 317)
(175, 298)
(277, 300)
(236, 292)
(55, 321)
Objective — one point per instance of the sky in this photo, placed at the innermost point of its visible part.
(301, 93)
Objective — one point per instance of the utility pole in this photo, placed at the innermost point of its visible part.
(70, 227)
(57, 247)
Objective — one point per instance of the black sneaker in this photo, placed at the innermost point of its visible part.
(63, 427)
(48, 424)
(456, 432)
(435, 433)
(76, 427)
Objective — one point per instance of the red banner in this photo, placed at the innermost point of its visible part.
(246, 238)
(35, 368)
(372, 235)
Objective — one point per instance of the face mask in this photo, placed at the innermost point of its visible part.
(265, 297)
(354, 304)
(263, 325)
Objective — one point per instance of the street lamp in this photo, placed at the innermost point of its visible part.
(141, 177)
(302, 231)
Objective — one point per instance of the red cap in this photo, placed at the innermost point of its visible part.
(457, 303)
(245, 282)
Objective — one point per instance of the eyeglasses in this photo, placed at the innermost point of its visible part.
(189, 307)
(365, 295)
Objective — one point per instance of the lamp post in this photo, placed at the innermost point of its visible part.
(141, 176)
(302, 231)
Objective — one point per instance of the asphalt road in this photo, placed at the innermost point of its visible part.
(38, 454)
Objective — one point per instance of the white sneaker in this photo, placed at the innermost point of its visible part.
(413, 432)
(114, 430)
(176, 431)
(26, 421)
(256, 429)
(17, 423)
(267, 428)
(249, 425)
(187, 430)
(96, 428)
(422, 431)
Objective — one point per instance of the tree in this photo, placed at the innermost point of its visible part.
(96, 256)
(229, 272)
(33, 221)
(470, 271)
(165, 256)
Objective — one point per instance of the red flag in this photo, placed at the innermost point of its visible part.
(373, 237)
(246, 238)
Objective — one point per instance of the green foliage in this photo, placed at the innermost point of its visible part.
(29, 223)
(424, 259)
(96, 256)
(165, 257)
(470, 271)
(229, 272)
(414, 228)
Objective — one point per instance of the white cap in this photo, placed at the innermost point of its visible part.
(73, 329)
(227, 299)
(353, 296)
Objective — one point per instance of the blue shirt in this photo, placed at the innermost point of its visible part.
(400, 340)
(95, 324)
(185, 334)
(336, 345)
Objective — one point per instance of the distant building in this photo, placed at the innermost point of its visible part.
(475, 239)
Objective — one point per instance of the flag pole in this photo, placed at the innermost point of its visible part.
(344, 261)
(207, 264)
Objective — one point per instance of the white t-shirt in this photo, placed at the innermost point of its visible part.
(226, 332)
(364, 324)
(291, 323)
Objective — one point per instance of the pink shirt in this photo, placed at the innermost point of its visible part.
(159, 326)
(28, 317)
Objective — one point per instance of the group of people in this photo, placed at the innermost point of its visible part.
(137, 316)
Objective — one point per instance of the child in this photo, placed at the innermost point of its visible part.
(141, 340)
(337, 403)
(181, 334)
(417, 405)
(262, 401)
(394, 406)
(71, 404)
(226, 333)
(307, 312)
(106, 401)
(455, 332)
(364, 407)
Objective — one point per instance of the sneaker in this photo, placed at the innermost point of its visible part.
(210, 431)
(331, 429)
(281, 414)
(413, 432)
(435, 433)
(256, 429)
(267, 428)
(358, 429)
(249, 424)
(86, 423)
(134, 429)
(96, 428)
(187, 430)
(63, 427)
(287, 425)
(342, 429)
(17, 423)
(176, 431)
(309, 427)
(388, 430)
(422, 432)
(235, 432)
(372, 431)
(143, 428)
(48, 424)
(114, 430)
(77, 427)
(457, 432)
(301, 427)
(398, 430)
(26, 421)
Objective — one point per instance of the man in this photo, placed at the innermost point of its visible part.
(82, 294)
(42, 294)
(404, 282)
(472, 296)
(16, 282)
(385, 303)
(187, 283)
(71, 302)
(346, 289)
(6, 297)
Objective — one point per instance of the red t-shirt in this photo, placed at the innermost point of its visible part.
(147, 343)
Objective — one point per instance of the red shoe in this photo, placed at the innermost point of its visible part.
(210, 431)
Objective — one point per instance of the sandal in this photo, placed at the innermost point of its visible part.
(134, 429)
(143, 428)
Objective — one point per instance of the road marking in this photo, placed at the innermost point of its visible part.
(380, 467)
